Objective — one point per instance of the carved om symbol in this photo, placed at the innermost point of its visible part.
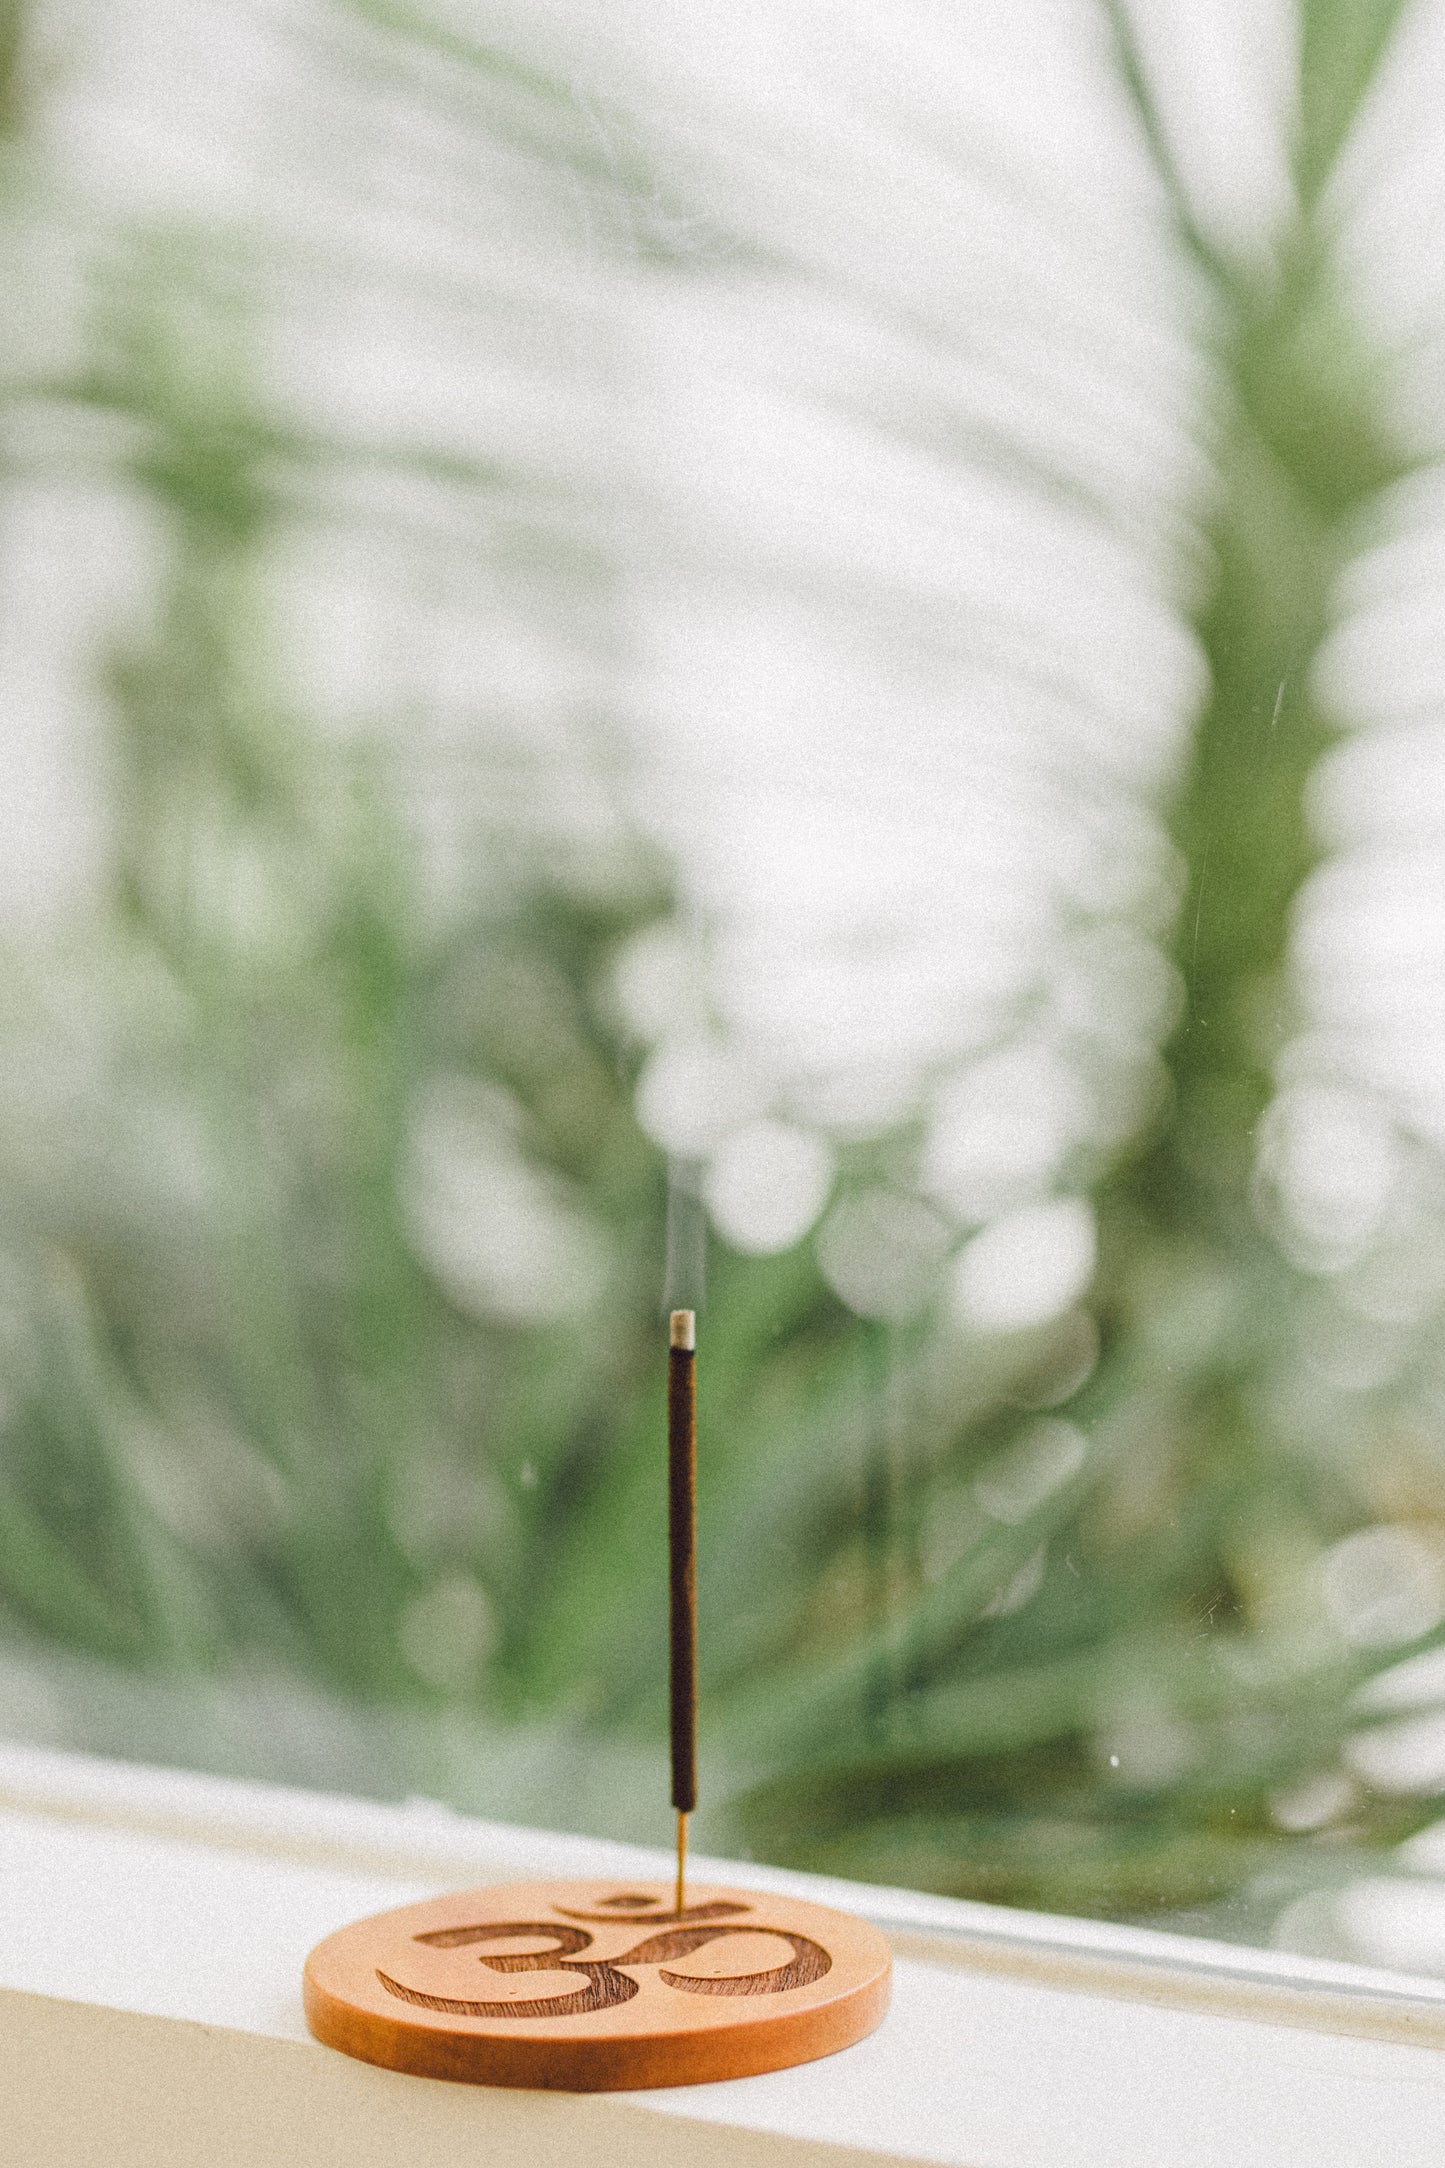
(604, 1984)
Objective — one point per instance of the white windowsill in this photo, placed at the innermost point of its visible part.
(153, 1927)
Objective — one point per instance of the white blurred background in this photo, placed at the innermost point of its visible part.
(790, 440)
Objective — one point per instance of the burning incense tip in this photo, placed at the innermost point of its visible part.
(682, 1329)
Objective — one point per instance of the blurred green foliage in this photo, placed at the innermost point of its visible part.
(247, 1419)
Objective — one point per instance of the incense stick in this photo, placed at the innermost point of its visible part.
(682, 1571)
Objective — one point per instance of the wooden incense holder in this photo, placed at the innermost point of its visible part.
(597, 1986)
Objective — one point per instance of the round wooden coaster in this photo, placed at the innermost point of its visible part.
(597, 1986)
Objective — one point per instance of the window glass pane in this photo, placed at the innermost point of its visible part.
(774, 658)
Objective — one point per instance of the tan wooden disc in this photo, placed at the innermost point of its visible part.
(597, 1986)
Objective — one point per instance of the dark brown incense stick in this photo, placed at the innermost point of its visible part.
(682, 1570)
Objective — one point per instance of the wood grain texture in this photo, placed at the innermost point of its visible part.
(582, 1987)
